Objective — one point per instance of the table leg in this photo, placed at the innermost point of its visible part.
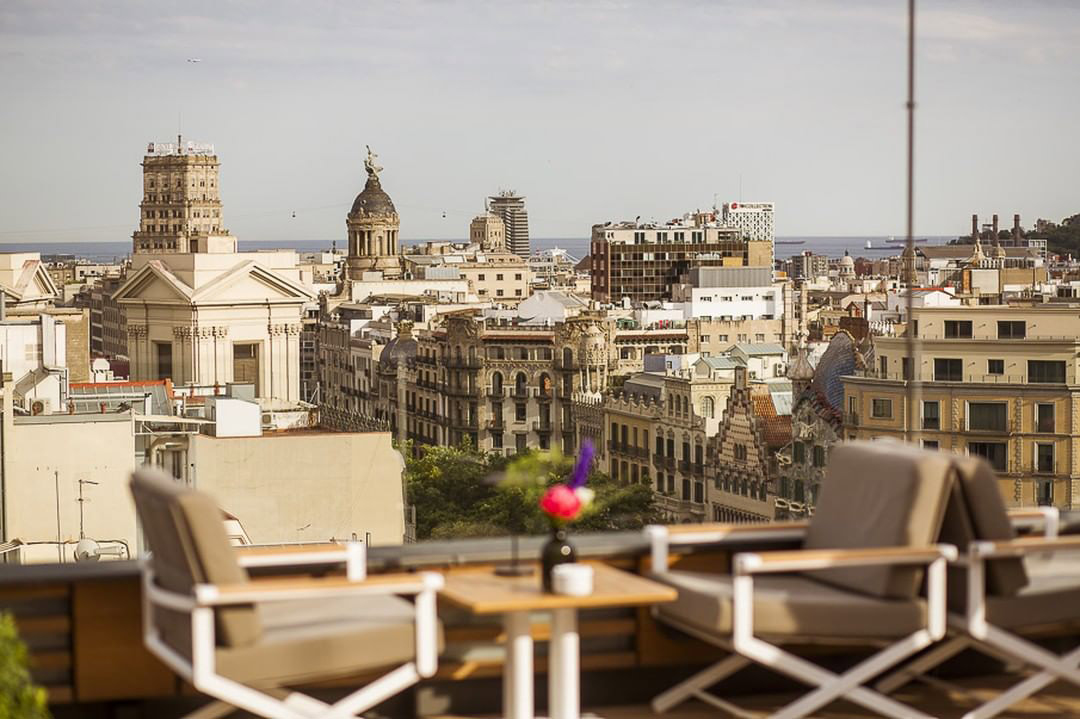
(518, 667)
(564, 677)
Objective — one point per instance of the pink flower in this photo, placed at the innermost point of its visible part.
(561, 502)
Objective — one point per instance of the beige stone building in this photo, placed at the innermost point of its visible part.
(996, 381)
(488, 232)
(25, 283)
(181, 207)
(206, 319)
(743, 467)
(282, 489)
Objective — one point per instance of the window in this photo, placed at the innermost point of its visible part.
(164, 359)
(931, 415)
(1044, 494)
(497, 440)
(705, 339)
(881, 408)
(1046, 371)
(699, 492)
(659, 446)
(798, 453)
(995, 366)
(708, 408)
(987, 416)
(1044, 417)
(1044, 458)
(930, 444)
(759, 338)
(521, 442)
(819, 456)
(498, 293)
(519, 412)
(740, 452)
(958, 329)
(948, 370)
(480, 277)
(1012, 330)
(498, 277)
(992, 452)
(517, 292)
(517, 276)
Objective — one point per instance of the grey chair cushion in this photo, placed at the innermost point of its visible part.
(311, 640)
(880, 494)
(186, 533)
(1051, 599)
(790, 606)
(990, 521)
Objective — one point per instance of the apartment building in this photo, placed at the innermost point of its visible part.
(652, 432)
(999, 382)
(502, 386)
(640, 262)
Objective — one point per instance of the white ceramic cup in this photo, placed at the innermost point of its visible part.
(573, 580)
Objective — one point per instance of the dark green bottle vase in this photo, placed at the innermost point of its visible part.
(558, 550)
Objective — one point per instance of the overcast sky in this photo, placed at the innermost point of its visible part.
(593, 110)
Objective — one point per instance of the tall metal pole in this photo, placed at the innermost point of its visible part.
(59, 541)
(913, 378)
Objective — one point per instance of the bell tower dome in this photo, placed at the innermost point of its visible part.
(372, 226)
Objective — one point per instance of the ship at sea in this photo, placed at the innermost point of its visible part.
(904, 241)
(791, 242)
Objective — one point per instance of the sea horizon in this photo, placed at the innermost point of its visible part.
(786, 246)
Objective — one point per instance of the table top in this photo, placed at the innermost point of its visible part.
(483, 592)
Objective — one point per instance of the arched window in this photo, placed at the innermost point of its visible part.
(457, 354)
(708, 408)
(567, 357)
(497, 383)
(520, 384)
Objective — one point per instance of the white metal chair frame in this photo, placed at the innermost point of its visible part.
(750, 648)
(277, 702)
(971, 631)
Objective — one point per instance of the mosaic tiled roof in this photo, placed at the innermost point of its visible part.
(838, 360)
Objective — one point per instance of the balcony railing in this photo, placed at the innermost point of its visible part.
(851, 418)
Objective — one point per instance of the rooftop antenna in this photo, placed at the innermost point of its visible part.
(82, 502)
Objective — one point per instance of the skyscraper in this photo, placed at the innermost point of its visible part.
(181, 206)
(753, 219)
(511, 209)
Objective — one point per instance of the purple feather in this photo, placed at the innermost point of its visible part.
(581, 467)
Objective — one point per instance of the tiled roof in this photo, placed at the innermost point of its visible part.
(763, 348)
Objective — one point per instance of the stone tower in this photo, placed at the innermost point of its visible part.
(181, 207)
(373, 229)
(488, 231)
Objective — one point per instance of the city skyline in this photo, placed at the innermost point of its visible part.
(552, 121)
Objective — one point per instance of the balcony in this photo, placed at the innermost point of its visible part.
(851, 419)
(469, 363)
(82, 624)
(495, 425)
(541, 426)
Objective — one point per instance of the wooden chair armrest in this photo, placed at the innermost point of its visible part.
(716, 531)
(288, 588)
(1023, 545)
(802, 560)
(291, 555)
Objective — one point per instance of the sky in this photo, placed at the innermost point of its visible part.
(594, 111)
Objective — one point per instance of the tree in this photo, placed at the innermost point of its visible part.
(19, 698)
(459, 492)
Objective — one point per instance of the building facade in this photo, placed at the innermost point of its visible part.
(999, 382)
(510, 208)
(181, 207)
(372, 225)
(641, 262)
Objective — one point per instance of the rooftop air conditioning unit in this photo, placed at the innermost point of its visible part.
(40, 406)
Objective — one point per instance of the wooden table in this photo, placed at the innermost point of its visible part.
(482, 592)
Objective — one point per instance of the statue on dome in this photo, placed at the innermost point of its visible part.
(373, 170)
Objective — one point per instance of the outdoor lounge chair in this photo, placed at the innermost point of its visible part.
(247, 642)
(856, 581)
(1004, 592)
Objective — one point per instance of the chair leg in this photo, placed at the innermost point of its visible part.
(213, 710)
(1023, 690)
(915, 669)
(830, 686)
(697, 684)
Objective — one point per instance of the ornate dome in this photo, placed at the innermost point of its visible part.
(373, 200)
(801, 370)
(999, 252)
(398, 350)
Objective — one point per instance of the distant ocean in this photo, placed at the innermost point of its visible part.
(576, 246)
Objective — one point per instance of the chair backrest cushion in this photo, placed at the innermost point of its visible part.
(186, 533)
(879, 494)
(976, 512)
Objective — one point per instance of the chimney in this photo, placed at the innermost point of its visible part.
(994, 238)
(1016, 230)
(974, 227)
